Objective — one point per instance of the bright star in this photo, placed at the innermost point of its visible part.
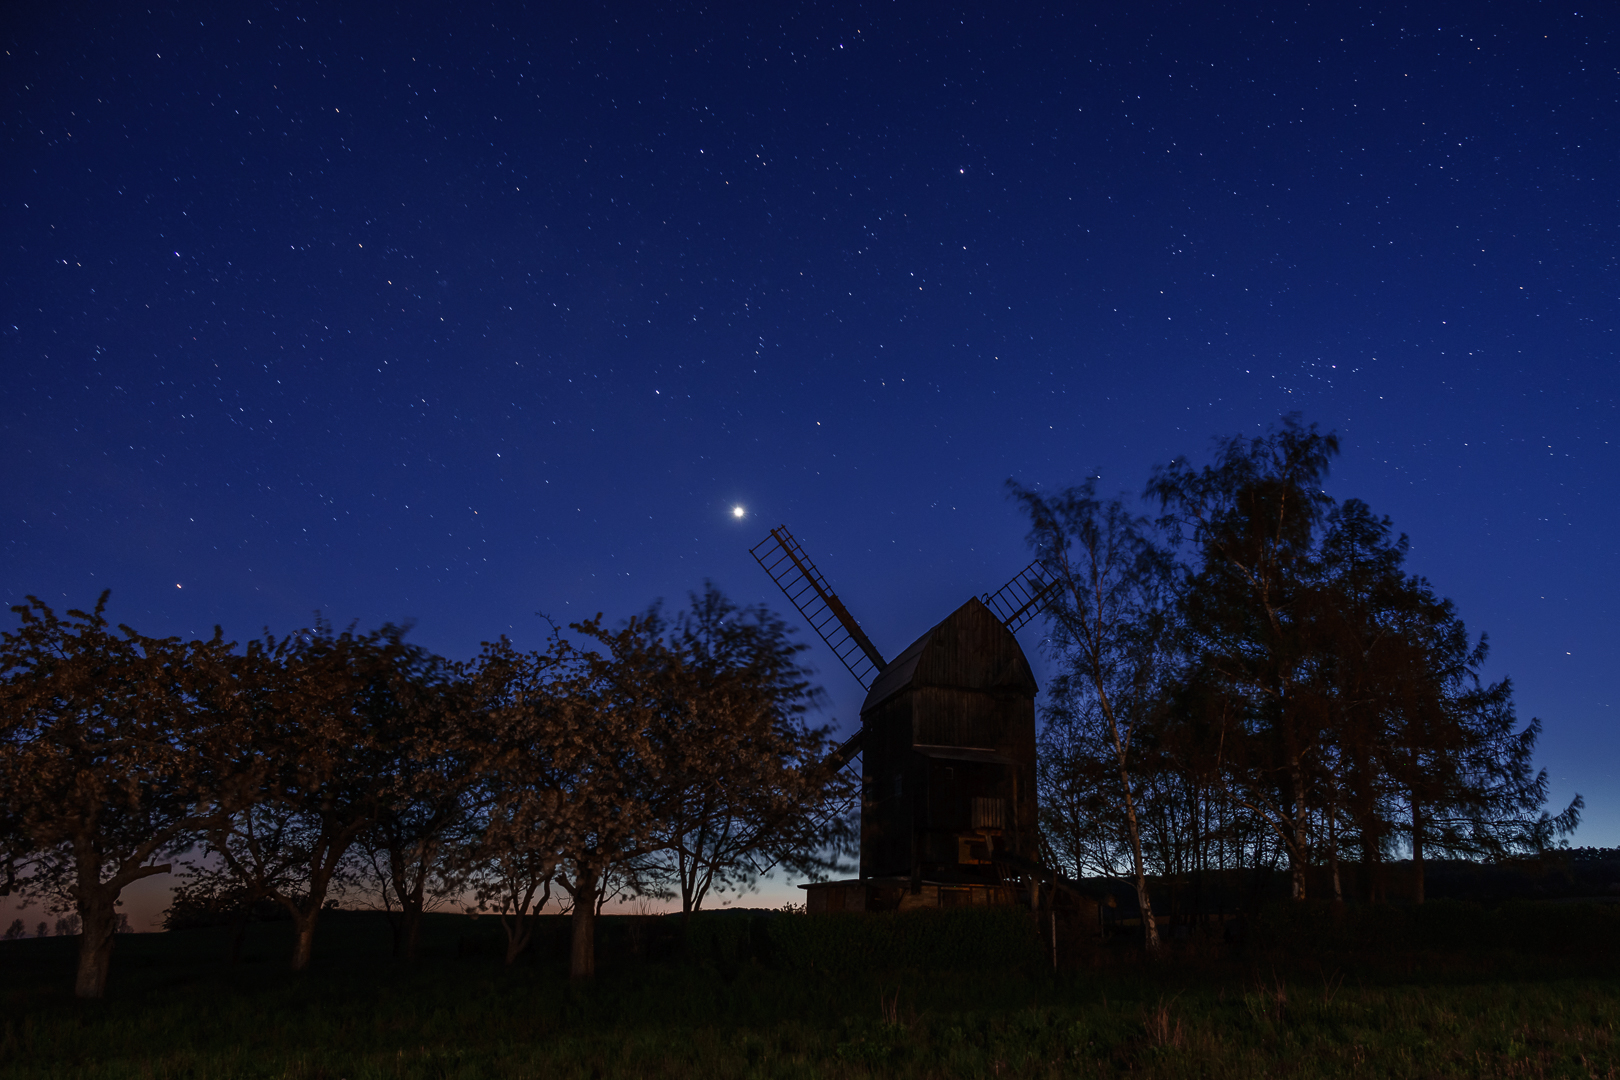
(737, 512)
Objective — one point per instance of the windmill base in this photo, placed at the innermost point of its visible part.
(898, 894)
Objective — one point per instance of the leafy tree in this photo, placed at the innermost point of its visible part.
(1250, 520)
(431, 765)
(515, 884)
(507, 849)
(116, 750)
(1456, 752)
(329, 712)
(602, 745)
(1409, 718)
(1359, 607)
(570, 798)
(744, 779)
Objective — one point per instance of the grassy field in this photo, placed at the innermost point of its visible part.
(1464, 993)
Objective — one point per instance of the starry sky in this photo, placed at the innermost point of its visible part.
(460, 314)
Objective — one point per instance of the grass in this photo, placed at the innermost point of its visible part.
(722, 1004)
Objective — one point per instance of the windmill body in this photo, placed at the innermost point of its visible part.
(948, 766)
(946, 744)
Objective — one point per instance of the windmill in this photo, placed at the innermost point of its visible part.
(946, 742)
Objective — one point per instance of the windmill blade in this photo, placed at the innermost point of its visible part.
(802, 583)
(844, 753)
(765, 861)
(1024, 597)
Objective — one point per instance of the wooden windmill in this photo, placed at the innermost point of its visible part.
(946, 744)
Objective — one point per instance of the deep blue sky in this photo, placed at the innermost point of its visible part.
(462, 315)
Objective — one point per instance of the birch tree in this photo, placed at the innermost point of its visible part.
(1112, 633)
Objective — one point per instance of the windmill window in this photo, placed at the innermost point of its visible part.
(989, 813)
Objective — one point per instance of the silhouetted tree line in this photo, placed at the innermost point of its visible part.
(671, 756)
(1252, 677)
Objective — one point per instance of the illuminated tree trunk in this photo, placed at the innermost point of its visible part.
(1417, 853)
(304, 946)
(97, 921)
(582, 954)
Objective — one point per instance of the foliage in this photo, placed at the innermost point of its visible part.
(331, 716)
(116, 750)
(326, 762)
(744, 775)
(1274, 684)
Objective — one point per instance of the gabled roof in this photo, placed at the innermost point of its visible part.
(969, 650)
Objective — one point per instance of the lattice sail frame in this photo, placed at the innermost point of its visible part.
(1022, 598)
(786, 562)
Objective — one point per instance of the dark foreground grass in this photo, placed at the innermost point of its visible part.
(715, 1006)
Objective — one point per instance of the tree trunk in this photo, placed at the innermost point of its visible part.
(1301, 838)
(1144, 903)
(1333, 860)
(1417, 853)
(97, 920)
(304, 945)
(582, 954)
(1369, 865)
(412, 918)
(518, 932)
(412, 898)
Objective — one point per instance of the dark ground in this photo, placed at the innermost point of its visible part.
(1449, 989)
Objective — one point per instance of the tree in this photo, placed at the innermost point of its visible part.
(1455, 750)
(329, 712)
(1250, 521)
(116, 750)
(514, 882)
(1113, 633)
(431, 765)
(1410, 719)
(571, 796)
(1360, 604)
(602, 747)
(745, 779)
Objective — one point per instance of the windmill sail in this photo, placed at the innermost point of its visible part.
(798, 578)
(1024, 597)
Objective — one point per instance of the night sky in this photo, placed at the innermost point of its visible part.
(459, 316)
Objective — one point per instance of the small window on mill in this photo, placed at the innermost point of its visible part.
(989, 813)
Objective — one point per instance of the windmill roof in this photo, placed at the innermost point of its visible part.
(970, 649)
